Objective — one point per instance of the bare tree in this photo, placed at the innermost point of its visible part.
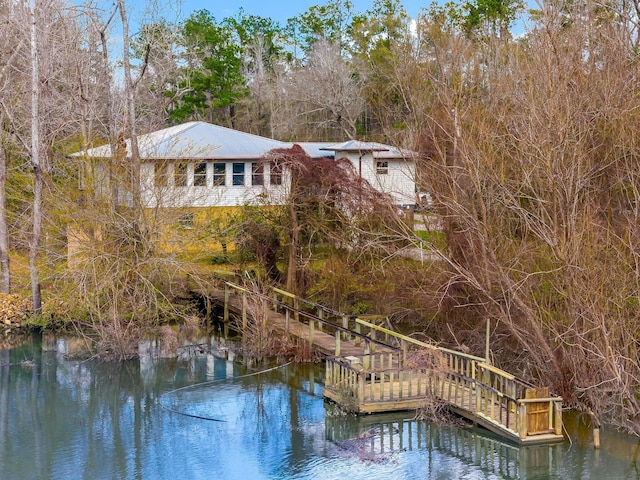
(8, 56)
(534, 171)
(326, 94)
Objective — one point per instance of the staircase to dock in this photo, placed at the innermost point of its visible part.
(372, 369)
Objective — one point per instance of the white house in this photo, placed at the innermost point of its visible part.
(198, 164)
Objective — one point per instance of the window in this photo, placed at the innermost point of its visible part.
(257, 174)
(180, 174)
(219, 174)
(161, 174)
(238, 174)
(275, 173)
(186, 220)
(382, 167)
(200, 174)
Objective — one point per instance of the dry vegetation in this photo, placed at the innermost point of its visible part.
(531, 155)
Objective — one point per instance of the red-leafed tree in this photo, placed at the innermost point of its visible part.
(328, 204)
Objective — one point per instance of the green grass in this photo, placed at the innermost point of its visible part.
(437, 238)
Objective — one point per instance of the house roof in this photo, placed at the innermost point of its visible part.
(356, 146)
(316, 149)
(378, 150)
(196, 140)
(202, 140)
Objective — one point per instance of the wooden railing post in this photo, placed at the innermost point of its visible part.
(227, 293)
(337, 352)
(311, 332)
(521, 423)
(296, 308)
(487, 356)
(557, 417)
(244, 311)
(345, 324)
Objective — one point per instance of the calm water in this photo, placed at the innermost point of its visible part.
(204, 416)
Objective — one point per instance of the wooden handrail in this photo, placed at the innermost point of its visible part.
(497, 371)
(310, 316)
(283, 292)
(539, 400)
(417, 342)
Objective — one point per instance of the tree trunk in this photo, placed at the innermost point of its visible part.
(131, 131)
(112, 179)
(5, 273)
(294, 246)
(37, 167)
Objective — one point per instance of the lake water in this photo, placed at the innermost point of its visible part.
(206, 416)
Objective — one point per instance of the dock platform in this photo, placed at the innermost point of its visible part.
(372, 369)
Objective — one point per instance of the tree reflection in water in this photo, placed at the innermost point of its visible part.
(65, 418)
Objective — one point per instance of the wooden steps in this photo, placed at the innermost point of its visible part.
(369, 369)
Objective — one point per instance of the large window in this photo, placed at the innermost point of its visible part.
(238, 173)
(180, 174)
(219, 174)
(382, 167)
(275, 177)
(200, 174)
(257, 174)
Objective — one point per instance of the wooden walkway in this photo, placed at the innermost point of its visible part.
(371, 369)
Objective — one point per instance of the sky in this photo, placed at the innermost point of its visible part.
(280, 10)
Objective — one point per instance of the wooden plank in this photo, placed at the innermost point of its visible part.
(538, 414)
(385, 386)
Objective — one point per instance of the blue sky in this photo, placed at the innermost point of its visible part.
(280, 10)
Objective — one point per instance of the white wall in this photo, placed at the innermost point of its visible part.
(210, 195)
(399, 181)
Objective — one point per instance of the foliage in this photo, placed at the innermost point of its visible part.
(14, 310)
(531, 154)
(329, 22)
(328, 205)
(212, 79)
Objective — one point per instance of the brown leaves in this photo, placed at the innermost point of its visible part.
(14, 310)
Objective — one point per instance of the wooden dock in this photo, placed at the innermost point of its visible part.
(371, 369)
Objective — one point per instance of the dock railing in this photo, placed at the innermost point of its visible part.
(358, 384)
(390, 370)
(317, 317)
(464, 381)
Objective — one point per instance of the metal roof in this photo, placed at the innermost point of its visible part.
(357, 146)
(378, 150)
(202, 140)
(196, 140)
(315, 149)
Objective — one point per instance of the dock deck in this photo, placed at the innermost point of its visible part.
(371, 369)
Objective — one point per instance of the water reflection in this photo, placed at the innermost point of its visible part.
(380, 435)
(206, 415)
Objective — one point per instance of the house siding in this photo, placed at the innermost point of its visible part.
(211, 195)
(398, 182)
